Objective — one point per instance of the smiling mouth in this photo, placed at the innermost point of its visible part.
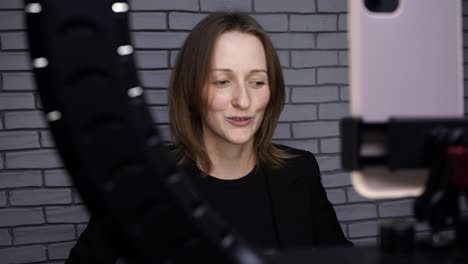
(239, 120)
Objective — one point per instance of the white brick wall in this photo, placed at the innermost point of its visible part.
(241, 5)
(41, 214)
(23, 254)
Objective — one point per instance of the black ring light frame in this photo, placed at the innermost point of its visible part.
(84, 68)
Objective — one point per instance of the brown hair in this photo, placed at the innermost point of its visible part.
(190, 75)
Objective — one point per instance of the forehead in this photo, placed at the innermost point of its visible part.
(238, 51)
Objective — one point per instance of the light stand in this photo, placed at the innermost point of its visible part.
(414, 143)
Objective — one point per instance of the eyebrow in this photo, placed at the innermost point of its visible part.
(229, 70)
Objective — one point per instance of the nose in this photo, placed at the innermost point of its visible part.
(241, 96)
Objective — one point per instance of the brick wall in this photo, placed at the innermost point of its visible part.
(41, 215)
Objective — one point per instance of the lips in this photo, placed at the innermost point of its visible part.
(239, 120)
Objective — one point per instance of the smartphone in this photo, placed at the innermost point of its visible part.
(405, 61)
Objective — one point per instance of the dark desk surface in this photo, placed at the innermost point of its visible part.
(362, 255)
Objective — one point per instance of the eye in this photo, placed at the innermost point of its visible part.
(221, 83)
(258, 84)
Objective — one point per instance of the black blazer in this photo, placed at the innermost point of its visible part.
(303, 214)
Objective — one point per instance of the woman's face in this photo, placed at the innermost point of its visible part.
(237, 91)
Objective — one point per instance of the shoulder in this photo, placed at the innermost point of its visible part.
(302, 165)
(299, 157)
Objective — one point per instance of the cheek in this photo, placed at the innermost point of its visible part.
(262, 101)
(218, 102)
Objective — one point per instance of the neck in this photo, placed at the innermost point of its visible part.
(230, 161)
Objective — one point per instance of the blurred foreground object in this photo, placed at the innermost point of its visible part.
(85, 73)
(407, 114)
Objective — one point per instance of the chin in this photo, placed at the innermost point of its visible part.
(239, 140)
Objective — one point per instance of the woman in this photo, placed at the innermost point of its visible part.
(225, 97)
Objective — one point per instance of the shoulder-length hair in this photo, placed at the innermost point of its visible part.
(191, 74)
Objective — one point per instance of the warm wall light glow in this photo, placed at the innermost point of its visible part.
(120, 7)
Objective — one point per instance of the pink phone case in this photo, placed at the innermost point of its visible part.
(407, 63)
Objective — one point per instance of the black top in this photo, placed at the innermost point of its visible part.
(273, 208)
(245, 204)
